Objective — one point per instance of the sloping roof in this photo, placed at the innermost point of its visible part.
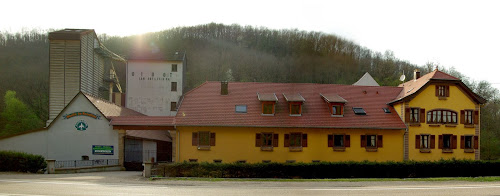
(161, 135)
(204, 106)
(109, 109)
(333, 98)
(293, 97)
(412, 87)
(366, 80)
(267, 97)
(143, 120)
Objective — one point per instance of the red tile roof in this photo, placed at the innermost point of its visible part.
(204, 106)
(109, 109)
(143, 120)
(161, 135)
(295, 97)
(411, 87)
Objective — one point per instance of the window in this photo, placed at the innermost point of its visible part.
(268, 108)
(132, 73)
(241, 109)
(203, 139)
(359, 111)
(386, 110)
(447, 142)
(296, 141)
(425, 142)
(414, 115)
(217, 160)
(339, 141)
(173, 106)
(152, 74)
(441, 117)
(295, 109)
(174, 67)
(442, 91)
(266, 141)
(468, 117)
(337, 110)
(467, 142)
(173, 86)
(371, 142)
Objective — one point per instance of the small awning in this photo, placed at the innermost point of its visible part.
(333, 98)
(295, 97)
(267, 97)
(159, 135)
(143, 122)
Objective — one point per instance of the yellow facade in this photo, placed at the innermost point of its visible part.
(238, 143)
(427, 99)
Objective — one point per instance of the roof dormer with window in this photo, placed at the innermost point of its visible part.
(295, 102)
(268, 101)
(335, 104)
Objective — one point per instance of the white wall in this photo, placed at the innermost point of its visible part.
(65, 142)
(33, 143)
(152, 95)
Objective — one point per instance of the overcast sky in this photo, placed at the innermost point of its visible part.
(462, 34)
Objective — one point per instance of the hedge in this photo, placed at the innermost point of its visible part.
(323, 170)
(21, 162)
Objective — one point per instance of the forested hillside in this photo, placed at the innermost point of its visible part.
(235, 53)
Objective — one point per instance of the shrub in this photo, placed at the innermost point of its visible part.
(351, 169)
(22, 162)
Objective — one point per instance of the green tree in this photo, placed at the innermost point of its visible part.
(17, 116)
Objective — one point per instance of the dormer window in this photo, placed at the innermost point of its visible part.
(335, 104)
(295, 102)
(268, 101)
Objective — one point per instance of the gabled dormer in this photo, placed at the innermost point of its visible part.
(268, 101)
(295, 101)
(335, 104)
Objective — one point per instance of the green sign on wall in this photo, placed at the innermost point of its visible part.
(102, 150)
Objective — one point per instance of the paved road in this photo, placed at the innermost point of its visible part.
(131, 183)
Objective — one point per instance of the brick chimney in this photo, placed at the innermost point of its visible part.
(224, 89)
(416, 74)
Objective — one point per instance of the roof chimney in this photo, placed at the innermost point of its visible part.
(416, 74)
(224, 88)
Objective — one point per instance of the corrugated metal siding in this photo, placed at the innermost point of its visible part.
(56, 80)
(86, 63)
(71, 70)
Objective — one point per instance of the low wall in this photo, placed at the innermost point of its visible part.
(89, 169)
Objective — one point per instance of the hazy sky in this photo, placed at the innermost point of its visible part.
(462, 34)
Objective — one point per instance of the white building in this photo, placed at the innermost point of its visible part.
(155, 82)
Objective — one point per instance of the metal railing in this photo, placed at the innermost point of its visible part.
(86, 163)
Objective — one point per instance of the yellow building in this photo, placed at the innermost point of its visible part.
(442, 115)
(276, 122)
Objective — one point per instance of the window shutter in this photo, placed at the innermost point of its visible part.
(258, 140)
(437, 91)
(275, 140)
(454, 142)
(287, 140)
(304, 140)
(379, 141)
(462, 142)
(363, 141)
(212, 139)
(422, 115)
(417, 141)
(330, 140)
(347, 142)
(476, 117)
(462, 116)
(447, 91)
(440, 145)
(407, 114)
(476, 142)
(433, 141)
(195, 139)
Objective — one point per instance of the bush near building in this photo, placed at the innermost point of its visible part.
(324, 170)
(21, 162)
